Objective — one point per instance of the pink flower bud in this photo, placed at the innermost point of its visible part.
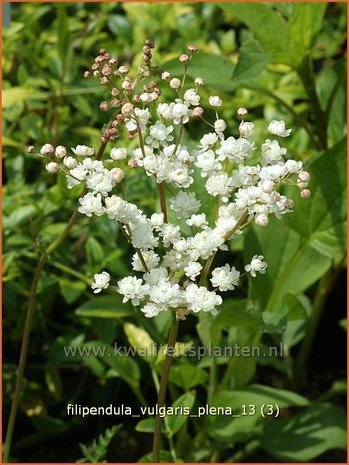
(132, 163)
(305, 193)
(198, 111)
(304, 176)
(184, 58)
(261, 220)
(175, 83)
(46, 149)
(165, 76)
(127, 109)
(103, 106)
(199, 81)
(30, 149)
(192, 48)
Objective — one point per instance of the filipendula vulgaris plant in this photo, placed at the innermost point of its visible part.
(171, 267)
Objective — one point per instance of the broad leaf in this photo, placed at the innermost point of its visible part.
(307, 435)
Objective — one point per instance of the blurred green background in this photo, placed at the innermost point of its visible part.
(281, 61)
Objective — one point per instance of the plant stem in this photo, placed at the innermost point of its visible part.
(28, 321)
(162, 196)
(22, 358)
(170, 439)
(163, 384)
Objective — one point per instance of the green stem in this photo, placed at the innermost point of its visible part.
(163, 384)
(22, 358)
(28, 322)
(162, 196)
(170, 439)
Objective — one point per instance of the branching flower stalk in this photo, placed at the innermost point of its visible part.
(176, 246)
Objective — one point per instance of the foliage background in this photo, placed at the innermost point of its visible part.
(283, 61)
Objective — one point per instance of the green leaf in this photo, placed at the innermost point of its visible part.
(62, 31)
(71, 290)
(175, 422)
(120, 26)
(187, 376)
(13, 95)
(307, 435)
(147, 426)
(104, 307)
(19, 216)
(209, 67)
(321, 221)
(293, 265)
(140, 340)
(122, 365)
(238, 313)
(304, 25)
(94, 253)
(54, 383)
(252, 61)
(235, 429)
(268, 27)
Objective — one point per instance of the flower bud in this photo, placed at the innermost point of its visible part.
(123, 70)
(52, 167)
(30, 149)
(46, 149)
(70, 162)
(246, 129)
(118, 153)
(175, 83)
(106, 71)
(215, 101)
(261, 220)
(192, 48)
(184, 58)
(242, 111)
(103, 106)
(305, 193)
(127, 109)
(118, 174)
(165, 76)
(86, 74)
(219, 125)
(198, 111)
(60, 151)
(268, 187)
(115, 92)
(199, 81)
(304, 176)
(132, 163)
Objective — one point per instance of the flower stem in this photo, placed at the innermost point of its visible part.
(162, 196)
(163, 384)
(29, 318)
(22, 358)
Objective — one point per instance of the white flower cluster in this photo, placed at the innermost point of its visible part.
(172, 262)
